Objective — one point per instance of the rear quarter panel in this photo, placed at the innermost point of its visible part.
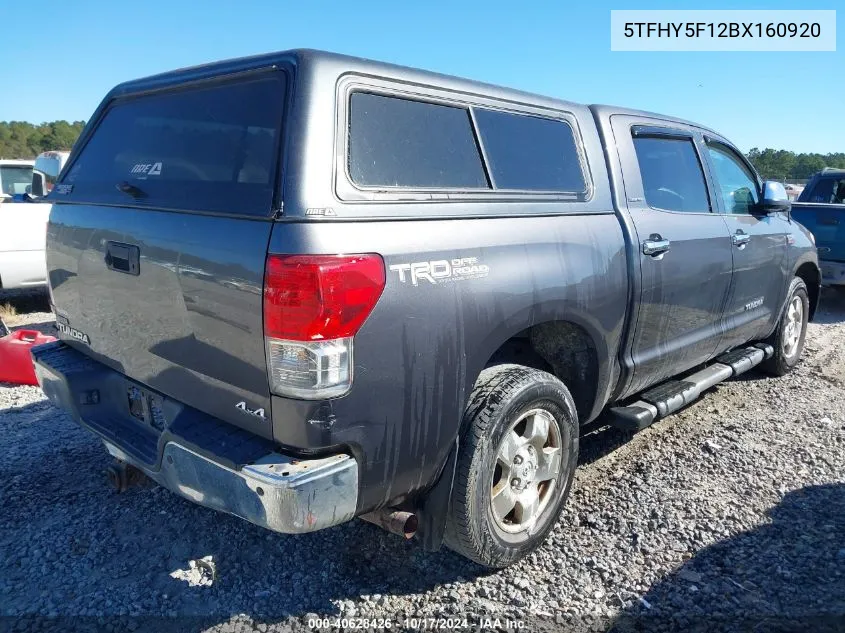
(22, 240)
(419, 353)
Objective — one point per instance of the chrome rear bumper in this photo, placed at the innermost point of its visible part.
(276, 491)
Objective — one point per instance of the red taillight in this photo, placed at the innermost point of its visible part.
(316, 297)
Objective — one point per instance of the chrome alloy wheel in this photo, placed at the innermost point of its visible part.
(793, 326)
(527, 467)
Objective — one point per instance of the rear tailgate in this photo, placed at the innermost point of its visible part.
(158, 237)
(827, 224)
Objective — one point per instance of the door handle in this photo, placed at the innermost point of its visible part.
(655, 245)
(123, 258)
(740, 238)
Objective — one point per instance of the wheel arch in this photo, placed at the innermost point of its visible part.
(809, 272)
(573, 348)
(511, 342)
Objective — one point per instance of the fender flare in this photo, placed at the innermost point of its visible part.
(812, 259)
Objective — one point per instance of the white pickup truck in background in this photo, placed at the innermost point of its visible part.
(15, 178)
(23, 219)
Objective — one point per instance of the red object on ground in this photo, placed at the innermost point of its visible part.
(15, 361)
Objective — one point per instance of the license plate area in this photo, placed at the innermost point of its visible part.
(146, 408)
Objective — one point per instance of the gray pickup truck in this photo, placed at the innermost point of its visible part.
(302, 287)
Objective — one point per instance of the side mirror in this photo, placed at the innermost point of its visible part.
(38, 186)
(774, 198)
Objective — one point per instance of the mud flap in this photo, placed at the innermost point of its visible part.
(435, 505)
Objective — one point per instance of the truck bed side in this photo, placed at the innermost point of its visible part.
(421, 350)
(498, 270)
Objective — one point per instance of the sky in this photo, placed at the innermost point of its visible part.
(63, 66)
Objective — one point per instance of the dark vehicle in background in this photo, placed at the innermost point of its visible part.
(303, 287)
(821, 208)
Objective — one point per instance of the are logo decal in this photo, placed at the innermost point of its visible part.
(441, 270)
(142, 170)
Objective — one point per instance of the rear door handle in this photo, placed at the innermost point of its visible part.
(740, 238)
(123, 258)
(655, 245)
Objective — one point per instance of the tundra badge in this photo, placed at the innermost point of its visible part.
(73, 332)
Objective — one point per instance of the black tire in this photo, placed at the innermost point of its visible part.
(782, 362)
(502, 396)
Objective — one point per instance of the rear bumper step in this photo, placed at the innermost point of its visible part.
(248, 478)
(670, 396)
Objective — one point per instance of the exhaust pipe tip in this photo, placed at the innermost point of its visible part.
(410, 526)
(399, 522)
(122, 475)
(116, 476)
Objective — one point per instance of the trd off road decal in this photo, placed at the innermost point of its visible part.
(441, 270)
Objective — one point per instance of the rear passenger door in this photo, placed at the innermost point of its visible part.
(758, 243)
(683, 249)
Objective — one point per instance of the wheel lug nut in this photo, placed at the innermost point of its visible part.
(515, 483)
(517, 460)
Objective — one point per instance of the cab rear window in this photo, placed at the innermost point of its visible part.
(212, 148)
(530, 153)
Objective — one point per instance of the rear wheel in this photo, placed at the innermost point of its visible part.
(515, 465)
(788, 338)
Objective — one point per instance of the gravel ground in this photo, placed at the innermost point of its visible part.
(727, 516)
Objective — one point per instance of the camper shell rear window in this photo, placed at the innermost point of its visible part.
(211, 148)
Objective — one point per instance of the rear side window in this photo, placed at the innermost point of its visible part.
(206, 149)
(828, 190)
(530, 153)
(397, 142)
(672, 176)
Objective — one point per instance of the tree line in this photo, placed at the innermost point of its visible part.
(780, 164)
(19, 139)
